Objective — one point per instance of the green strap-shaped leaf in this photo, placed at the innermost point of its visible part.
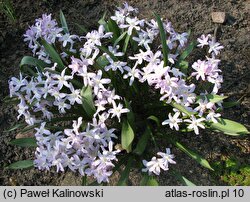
(181, 108)
(123, 181)
(148, 181)
(21, 125)
(184, 66)
(202, 161)
(88, 104)
(229, 127)
(230, 104)
(213, 98)
(105, 50)
(182, 179)
(21, 165)
(102, 20)
(120, 38)
(84, 180)
(193, 154)
(130, 114)
(125, 46)
(143, 141)
(155, 119)
(63, 22)
(127, 136)
(29, 60)
(24, 142)
(52, 53)
(113, 27)
(163, 39)
(102, 61)
(186, 52)
(133, 43)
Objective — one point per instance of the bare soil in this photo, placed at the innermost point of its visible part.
(185, 15)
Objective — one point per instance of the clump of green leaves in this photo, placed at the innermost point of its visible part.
(233, 172)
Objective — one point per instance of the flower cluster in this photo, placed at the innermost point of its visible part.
(47, 28)
(82, 151)
(156, 164)
(169, 80)
(49, 90)
(85, 84)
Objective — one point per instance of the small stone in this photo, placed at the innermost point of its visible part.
(218, 17)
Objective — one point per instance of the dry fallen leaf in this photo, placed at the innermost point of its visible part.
(25, 135)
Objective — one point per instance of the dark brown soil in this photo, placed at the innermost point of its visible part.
(184, 15)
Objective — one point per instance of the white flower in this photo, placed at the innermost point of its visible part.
(143, 40)
(55, 92)
(29, 87)
(42, 130)
(140, 57)
(213, 116)
(153, 166)
(173, 121)
(114, 51)
(132, 73)
(94, 37)
(67, 38)
(16, 84)
(195, 123)
(62, 105)
(98, 82)
(86, 76)
(182, 38)
(214, 47)
(203, 106)
(74, 96)
(201, 68)
(114, 65)
(29, 119)
(167, 157)
(133, 23)
(117, 110)
(119, 17)
(203, 40)
(62, 80)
